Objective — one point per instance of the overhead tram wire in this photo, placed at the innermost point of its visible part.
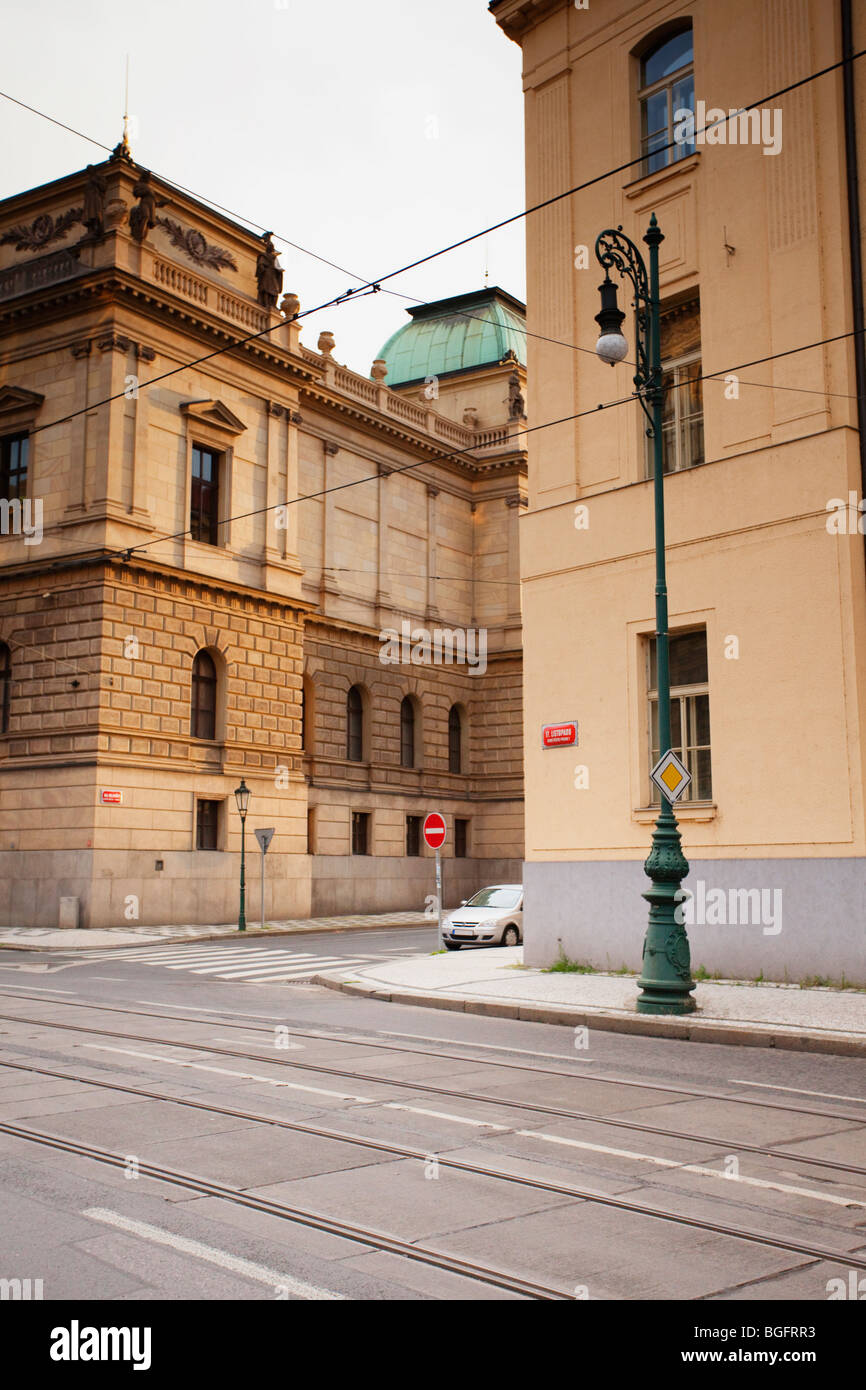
(397, 294)
(375, 286)
(443, 455)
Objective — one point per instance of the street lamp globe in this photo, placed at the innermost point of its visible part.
(611, 346)
(242, 797)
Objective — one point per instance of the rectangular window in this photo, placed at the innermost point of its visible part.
(683, 412)
(360, 832)
(204, 495)
(461, 838)
(206, 824)
(690, 711)
(13, 466)
(413, 836)
(311, 831)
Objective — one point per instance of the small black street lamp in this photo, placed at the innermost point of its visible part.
(666, 979)
(242, 797)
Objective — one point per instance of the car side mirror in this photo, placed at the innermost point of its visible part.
(463, 902)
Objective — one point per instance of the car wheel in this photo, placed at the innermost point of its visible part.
(452, 945)
(511, 937)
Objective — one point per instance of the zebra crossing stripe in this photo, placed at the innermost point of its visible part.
(274, 971)
(229, 958)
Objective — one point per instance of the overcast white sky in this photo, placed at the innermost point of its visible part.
(368, 132)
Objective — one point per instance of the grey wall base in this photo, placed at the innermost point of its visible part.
(123, 888)
(595, 912)
(367, 883)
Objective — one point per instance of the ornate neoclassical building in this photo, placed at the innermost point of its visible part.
(210, 534)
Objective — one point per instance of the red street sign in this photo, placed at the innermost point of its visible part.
(559, 735)
(433, 830)
(112, 798)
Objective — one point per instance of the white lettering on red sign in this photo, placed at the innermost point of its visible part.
(112, 798)
(559, 735)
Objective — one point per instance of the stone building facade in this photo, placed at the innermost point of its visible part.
(765, 454)
(207, 529)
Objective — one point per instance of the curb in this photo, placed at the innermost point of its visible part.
(691, 1030)
(211, 936)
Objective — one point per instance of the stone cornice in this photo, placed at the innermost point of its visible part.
(514, 17)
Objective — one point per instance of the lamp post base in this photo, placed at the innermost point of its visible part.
(666, 980)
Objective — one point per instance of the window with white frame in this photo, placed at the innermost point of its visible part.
(667, 87)
(683, 411)
(690, 711)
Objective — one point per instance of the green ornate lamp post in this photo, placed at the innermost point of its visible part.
(666, 980)
(242, 797)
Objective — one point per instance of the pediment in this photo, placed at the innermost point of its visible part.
(15, 398)
(215, 414)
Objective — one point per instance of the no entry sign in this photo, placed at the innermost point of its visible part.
(433, 830)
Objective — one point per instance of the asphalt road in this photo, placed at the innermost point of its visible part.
(335, 1147)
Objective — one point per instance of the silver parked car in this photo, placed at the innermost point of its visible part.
(494, 915)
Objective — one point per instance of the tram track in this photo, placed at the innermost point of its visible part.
(560, 1112)
(381, 1240)
(319, 1036)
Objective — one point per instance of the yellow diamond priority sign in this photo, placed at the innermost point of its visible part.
(671, 776)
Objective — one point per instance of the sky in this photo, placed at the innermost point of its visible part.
(369, 133)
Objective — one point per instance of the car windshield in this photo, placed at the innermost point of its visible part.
(495, 897)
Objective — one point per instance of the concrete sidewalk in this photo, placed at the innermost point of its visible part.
(495, 982)
(53, 938)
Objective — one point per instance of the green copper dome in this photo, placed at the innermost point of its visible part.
(456, 335)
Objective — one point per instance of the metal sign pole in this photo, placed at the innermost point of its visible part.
(439, 895)
(263, 891)
(264, 835)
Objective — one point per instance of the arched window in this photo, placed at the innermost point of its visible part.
(455, 740)
(5, 686)
(354, 725)
(407, 732)
(202, 722)
(667, 87)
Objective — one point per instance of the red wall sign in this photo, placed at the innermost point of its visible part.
(433, 830)
(559, 735)
(112, 798)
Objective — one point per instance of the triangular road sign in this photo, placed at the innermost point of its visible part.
(264, 838)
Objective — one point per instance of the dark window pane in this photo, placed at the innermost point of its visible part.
(207, 818)
(407, 733)
(354, 725)
(204, 496)
(360, 827)
(702, 786)
(666, 58)
(13, 466)
(461, 838)
(5, 686)
(203, 702)
(676, 726)
(701, 730)
(413, 835)
(687, 656)
(455, 753)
